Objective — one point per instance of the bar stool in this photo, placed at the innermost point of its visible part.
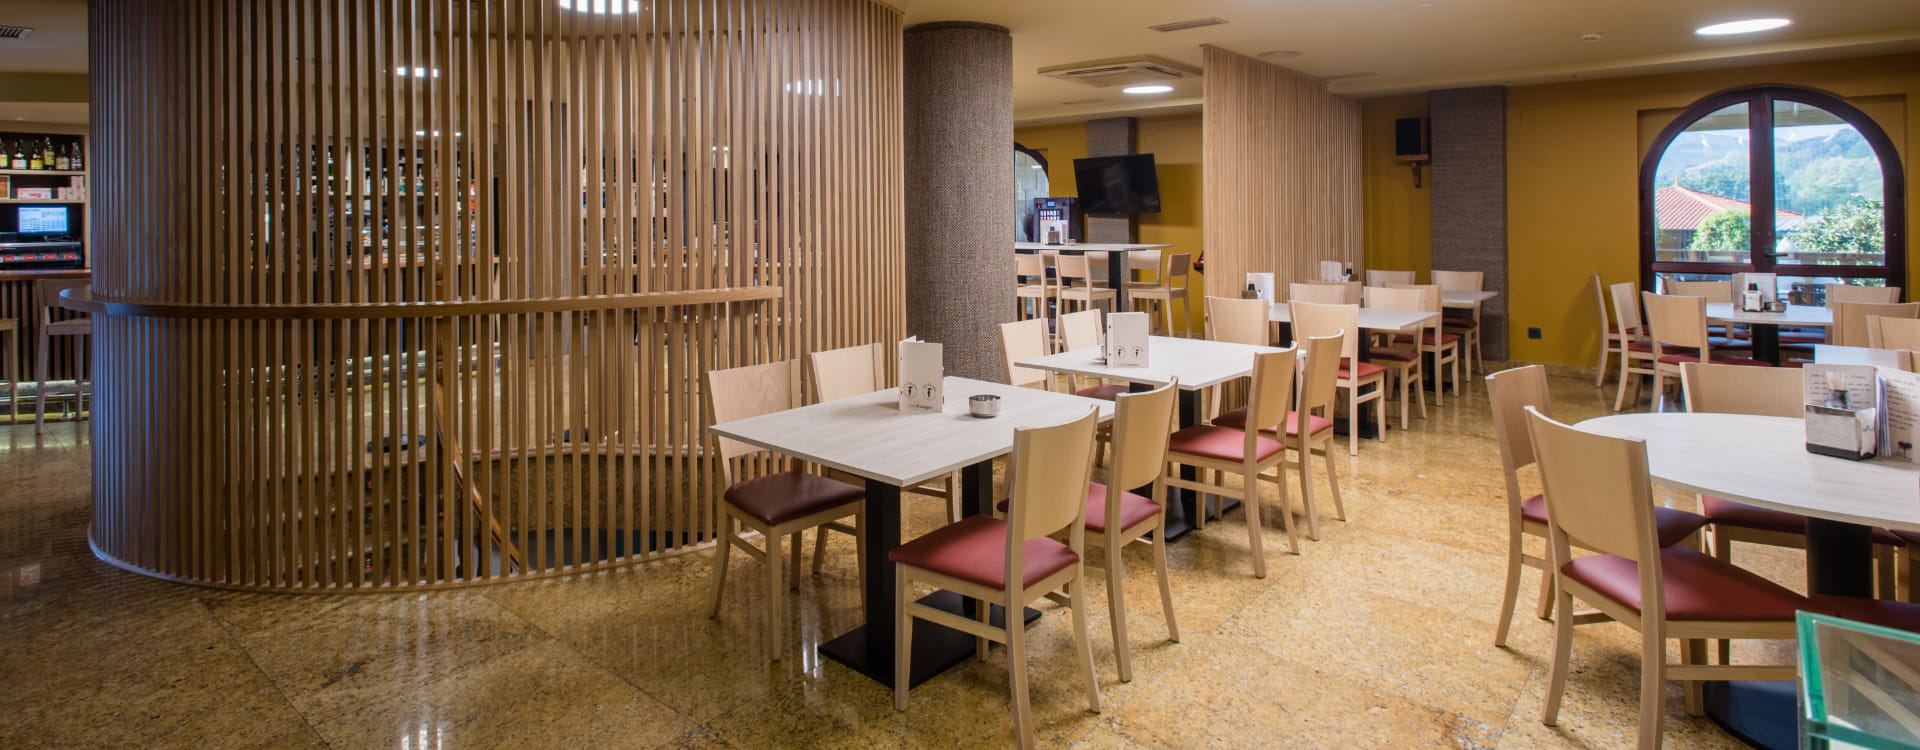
(1075, 268)
(1030, 283)
(1172, 286)
(47, 295)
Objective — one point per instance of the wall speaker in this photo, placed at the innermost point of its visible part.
(1410, 136)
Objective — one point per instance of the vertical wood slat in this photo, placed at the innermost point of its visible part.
(1281, 173)
(388, 151)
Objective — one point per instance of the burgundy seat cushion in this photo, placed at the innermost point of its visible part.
(1459, 324)
(1220, 443)
(1133, 508)
(1395, 353)
(1426, 338)
(1729, 513)
(1237, 419)
(1698, 587)
(1910, 537)
(1887, 614)
(1103, 392)
(1671, 524)
(1615, 328)
(777, 498)
(1677, 359)
(1362, 370)
(975, 550)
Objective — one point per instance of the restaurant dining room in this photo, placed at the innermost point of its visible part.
(437, 374)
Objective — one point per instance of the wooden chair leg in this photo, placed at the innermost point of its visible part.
(1286, 506)
(1509, 596)
(720, 563)
(1653, 683)
(1333, 483)
(798, 541)
(819, 552)
(1017, 673)
(1166, 585)
(1562, 653)
(1117, 607)
(1307, 503)
(1883, 572)
(1250, 499)
(1082, 642)
(1600, 370)
(1353, 419)
(903, 638)
(1620, 394)
(1543, 606)
(1693, 651)
(40, 376)
(776, 614)
(983, 614)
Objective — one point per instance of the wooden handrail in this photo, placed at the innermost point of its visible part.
(84, 301)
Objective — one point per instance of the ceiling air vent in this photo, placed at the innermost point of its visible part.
(14, 32)
(1122, 71)
(1184, 25)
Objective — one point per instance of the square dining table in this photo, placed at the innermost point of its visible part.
(870, 437)
(1766, 325)
(1371, 319)
(1197, 363)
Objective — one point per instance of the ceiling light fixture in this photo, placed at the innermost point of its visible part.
(1747, 26)
(1146, 89)
(602, 7)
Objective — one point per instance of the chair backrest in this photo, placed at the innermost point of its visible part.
(848, 372)
(1071, 268)
(1460, 281)
(1081, 330)
(1676, 321)
(1239, 321)
(1392, 298)
(1048, 483)
(1320, 378)
(1850, 319)
(1509, 393)
(1026, 339)
(1384, 278)
(1626, 309)
(1320, 292)
(1715, 291)
(1272, 394)
(1029, 268)
(1858, 293)
(1893, 333)
(1738, 389)
(1312, 321)
(46, 294)
(741, 392)
(1433, 301)
(1600, 301)
(1178, 266)
(1597, 491)
(1142, 422)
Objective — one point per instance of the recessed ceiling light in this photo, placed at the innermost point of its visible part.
(1155, 89)
(602, 7)
(1748, 26)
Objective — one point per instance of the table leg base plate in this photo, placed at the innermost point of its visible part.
(936, 647)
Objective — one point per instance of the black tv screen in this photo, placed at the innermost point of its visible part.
(1117, 184)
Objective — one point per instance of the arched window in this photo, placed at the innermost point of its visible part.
(1029, 182)
(1773, 180)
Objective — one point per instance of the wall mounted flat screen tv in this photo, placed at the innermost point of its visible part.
(1117, 184)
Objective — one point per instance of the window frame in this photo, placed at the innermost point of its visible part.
(1760, 173)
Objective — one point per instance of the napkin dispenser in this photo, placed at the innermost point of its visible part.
(1840, 432)
(1841, 410)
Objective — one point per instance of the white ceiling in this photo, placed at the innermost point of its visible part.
(1387, 46)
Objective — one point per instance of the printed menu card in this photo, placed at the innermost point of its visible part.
(922, 372)
(1127, 339)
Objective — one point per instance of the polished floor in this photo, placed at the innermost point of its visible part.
(1379, 635)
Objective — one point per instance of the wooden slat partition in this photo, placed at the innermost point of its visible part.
(414, 293)
(1281, 173)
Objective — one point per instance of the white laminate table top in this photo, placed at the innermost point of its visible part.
(868, 435)
(1089, 247)
(1764, 461)
(1461, 298)
(1796, 315)
(1371, 318)
(1198, 363)
(1831, 354)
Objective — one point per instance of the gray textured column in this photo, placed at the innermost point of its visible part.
(1112, 136)
(1470, 197)
(958, 81)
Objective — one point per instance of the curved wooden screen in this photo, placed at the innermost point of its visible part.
(399, 293)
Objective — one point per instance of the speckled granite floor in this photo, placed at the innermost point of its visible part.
(1379, 635)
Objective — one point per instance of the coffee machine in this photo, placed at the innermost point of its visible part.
(1056, 220)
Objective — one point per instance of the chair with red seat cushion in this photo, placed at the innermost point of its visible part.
(1611, 340)
(1363, 381)
(1245, 452)
(1509, 392)
(1306, 432)
(1598, 491)
(1465, 322)
(1404, 362)
(1636, 355)
(1440, 347)
(776, 505)
(1680, 321)
(1048, 473)
(1117, 517)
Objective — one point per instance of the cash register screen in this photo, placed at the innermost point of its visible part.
(43, 220)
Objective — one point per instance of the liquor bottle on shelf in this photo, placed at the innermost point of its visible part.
(33, 158)
(73, 162)
(60, 160)
(19, 157)
(46, 154)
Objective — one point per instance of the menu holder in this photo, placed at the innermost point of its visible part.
(1900, 413)
(922, 376)
(1768, 284)
(1261, 283)
(1331, 270)
(1127, 339)
(1842, 405)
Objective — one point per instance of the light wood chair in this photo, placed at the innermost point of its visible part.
(1031, 289)
(1216, 450)
(1327, 292)
(1612, 340)
(1714, 291)
(1404, 363)
(1434, 341)
(11, 328)
(1884, 295)
(1022, 340)
(1239, 321)
(1309, 428)
(1466, 325)
(1116, 517)
(1076, 289)
(857, 371)
(1893, 333)
(1677, 326)
(1389, 278)
(1311, 321)
(1597, 491)
(1173, 286)
(1850, 319)
(47, 299)
(1636, 356)
(1509, 393)
(777, 505)
(1049, 473)
(1083, 330)
(1769, 392)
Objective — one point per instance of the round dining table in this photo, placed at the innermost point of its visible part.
(1763, 461)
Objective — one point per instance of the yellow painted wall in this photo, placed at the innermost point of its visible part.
(1573, 161)
(1399, 216)
(1174, 141)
